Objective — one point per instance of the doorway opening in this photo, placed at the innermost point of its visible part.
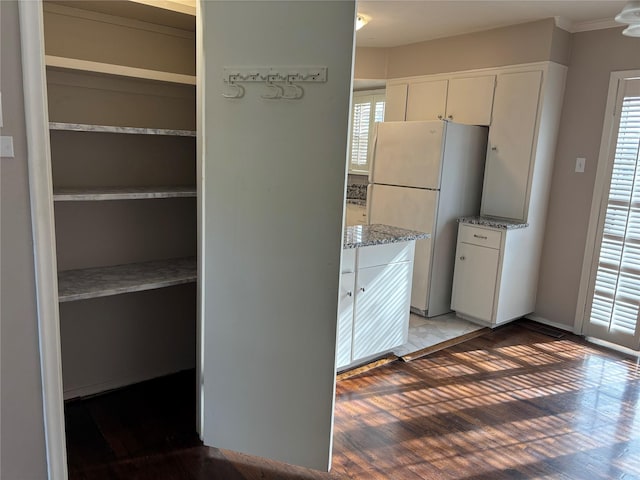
(120, 80)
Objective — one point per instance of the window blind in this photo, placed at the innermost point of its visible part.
(616, 299)
(360, 134)
(367, 109)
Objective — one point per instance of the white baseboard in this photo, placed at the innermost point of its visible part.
(613, 346)
(92, 389)
(544, 321)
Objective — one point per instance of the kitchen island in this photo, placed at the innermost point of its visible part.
(375, 291)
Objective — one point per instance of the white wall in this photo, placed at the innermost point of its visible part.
(22, 454)
(273, 197)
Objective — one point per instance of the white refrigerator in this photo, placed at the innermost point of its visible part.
(423, 176)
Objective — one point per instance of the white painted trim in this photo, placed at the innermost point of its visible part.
(544, 321)
(564, 23)
(116, 383)
(200, 176)
(612, 346)
(576, 27)
(599, 189)
(368, 93)
(118, 70)
(475, 72)
(44, 241)
(172, 5)
(600, 24)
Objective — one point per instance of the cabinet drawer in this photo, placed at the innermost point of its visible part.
(384, 254)
(348, 264)
(480, 236)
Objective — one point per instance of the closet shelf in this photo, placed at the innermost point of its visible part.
(120, 193)
(83, 127)
(97, 282)
(118, 70)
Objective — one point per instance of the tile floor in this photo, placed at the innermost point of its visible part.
(424, 332)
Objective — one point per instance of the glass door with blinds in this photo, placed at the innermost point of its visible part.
(613, 309)
(368, 108)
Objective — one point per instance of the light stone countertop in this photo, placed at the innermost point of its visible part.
(368, 235)
(499, 223)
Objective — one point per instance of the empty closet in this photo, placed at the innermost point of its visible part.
(121, 93)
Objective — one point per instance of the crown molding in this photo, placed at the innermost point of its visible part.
(575, 27)
(601, 24)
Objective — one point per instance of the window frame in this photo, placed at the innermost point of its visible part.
(600, 195)
(360, 97)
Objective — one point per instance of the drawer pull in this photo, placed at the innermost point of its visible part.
(462, 257)
(482, 237)
(349, 294)
(362, 289)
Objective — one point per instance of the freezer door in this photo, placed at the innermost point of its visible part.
(408, 154)
(411, 208)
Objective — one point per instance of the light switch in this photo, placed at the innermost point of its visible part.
(6, 147)
(580, 161)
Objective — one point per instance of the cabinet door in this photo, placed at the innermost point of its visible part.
(470, 100)
(395, 106)
(510, 149)
(427, 100)
(381, 319)
(345, 320)
(474, 281)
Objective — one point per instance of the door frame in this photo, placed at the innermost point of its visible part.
(43, 231)
(44, 239)
(600, 189)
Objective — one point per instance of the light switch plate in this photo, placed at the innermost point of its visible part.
(580, 162)
(6, 147)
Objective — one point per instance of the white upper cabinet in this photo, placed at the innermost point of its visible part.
(520, 104)
(395, 102)
(427, 100)
(466, 100)
(510, 149)
(470, 100)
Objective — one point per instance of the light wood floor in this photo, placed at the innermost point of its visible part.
(511, 404)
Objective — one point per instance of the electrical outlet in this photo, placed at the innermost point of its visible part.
(580, 162)
(6, 147)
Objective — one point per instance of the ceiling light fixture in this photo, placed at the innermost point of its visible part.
(630, 15)
(362, 20)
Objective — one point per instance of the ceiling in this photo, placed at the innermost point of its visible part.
(400, 22)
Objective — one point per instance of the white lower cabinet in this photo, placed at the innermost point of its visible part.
(382, 307)
(476, 270)
(345, 319)
(374, 301)
(494, 279)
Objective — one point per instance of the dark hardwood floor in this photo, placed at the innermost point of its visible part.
(511, 404)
